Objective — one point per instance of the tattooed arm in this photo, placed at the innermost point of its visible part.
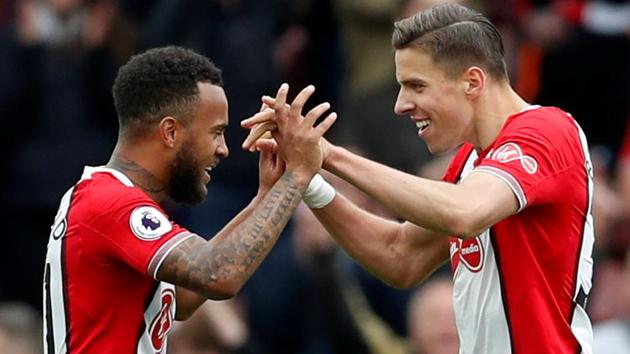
(218, 268)
(188, 301)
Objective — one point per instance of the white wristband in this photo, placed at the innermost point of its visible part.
(319, 193)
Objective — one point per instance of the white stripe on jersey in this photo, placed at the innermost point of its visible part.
(491, 335)
(89, 171)
(165, 250)
(153, 314)
(487, 305)
(510, 181)
(580, 324)
(54, 263)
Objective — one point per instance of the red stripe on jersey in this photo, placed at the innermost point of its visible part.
(457, 164)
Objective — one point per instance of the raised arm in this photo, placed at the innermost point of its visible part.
(463, 210)
(218, 268)
(401, 254)
(270, 169)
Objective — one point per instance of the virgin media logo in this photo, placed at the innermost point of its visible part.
(509, 152)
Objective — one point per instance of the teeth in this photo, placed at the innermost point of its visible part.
(423, 124)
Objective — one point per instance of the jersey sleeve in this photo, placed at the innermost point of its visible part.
(138, 232)
(531, 156)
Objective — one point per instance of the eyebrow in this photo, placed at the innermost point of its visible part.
(415, 81)
(219, 127)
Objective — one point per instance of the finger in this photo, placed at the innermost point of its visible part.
(281, 98)
(263, 106)
(257, 132)
(323, 127)
(300, 100)
(269, 101)
(265, 157)
(259, 117)
(268, 145)
(315, 113)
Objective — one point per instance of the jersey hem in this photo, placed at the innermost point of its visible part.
(164, 250)
(510, 181)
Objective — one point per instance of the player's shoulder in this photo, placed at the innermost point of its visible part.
(102, 189)
(544, 120)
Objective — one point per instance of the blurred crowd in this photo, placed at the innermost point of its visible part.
(58, 60)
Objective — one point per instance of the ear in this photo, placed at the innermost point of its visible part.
(475, 80)
(169, 130)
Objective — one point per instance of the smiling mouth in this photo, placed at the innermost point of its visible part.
(423, 124)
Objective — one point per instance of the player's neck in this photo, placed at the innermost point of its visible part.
(140, 171)
(493, 110)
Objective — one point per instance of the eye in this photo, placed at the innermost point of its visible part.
(417, 87)
(219, 133)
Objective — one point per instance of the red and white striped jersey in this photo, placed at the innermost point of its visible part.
(521, 286)
(100, 292)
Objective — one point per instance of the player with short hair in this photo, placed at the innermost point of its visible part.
(513, 213)
(118, 271)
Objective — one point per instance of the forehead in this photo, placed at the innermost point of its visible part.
(212, 106)
(416, 64)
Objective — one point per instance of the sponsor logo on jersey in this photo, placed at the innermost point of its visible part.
(471, 254)
(162, 323)
(148, 223)
(509, 152)
(468, 252)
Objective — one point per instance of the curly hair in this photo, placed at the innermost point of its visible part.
(160, 82)
(455, 37)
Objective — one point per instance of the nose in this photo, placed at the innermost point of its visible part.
(402, 105)
(222, 149)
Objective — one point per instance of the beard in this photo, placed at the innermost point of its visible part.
(185, 185)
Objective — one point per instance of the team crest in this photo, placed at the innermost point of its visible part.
(148, 223)
(162, 323)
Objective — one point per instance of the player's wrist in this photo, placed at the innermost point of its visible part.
(319, 193)
(332, 155)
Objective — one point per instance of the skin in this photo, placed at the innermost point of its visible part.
(470, 107)
(218, 268)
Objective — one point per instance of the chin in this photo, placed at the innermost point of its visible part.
(440, 150)
(435, 150)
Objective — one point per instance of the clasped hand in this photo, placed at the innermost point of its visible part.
(280, 128)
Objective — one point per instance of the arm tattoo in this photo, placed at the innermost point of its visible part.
(222, 265)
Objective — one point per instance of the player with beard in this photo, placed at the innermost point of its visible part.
(118, 271)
